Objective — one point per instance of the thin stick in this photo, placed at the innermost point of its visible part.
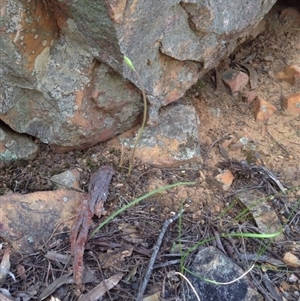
(154, 255)
(279, 144)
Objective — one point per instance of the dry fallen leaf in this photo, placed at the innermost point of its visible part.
(55, 256)
(101, 288)
(132, 233)
(114, 258)
(66, 278)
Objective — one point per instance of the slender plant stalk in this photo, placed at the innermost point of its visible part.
(140, 132)
(136, 201)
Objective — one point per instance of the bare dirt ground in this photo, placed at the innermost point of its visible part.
(227, 121)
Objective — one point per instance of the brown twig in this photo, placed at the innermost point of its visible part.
(154, 255)
(280, 145)
(226, 136)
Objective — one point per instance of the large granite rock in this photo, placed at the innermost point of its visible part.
(63, 79)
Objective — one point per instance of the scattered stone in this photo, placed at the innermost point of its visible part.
(235, 80)
(14, 146)
(262, 109)
(28, 221)
(67, 179)
(174, 141)
(291, 260)
(269, 58)
(225, 178)
(249, 95)
(212, 264)
(293, 278)
(291, 103)
(262, 213)
(181, 193)
(290, 74)
(217, 208)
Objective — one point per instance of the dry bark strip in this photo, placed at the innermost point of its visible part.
(98, 188)
(93, 204)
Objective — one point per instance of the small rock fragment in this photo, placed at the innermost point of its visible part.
(291, 260)
(67, 179)
(263, 214)
(235, 80)
(269, 58)
(249, 95)
(262, 109)
(174, 141)
(290, 74)
(291, 103)
(225, 178)
(14, 146)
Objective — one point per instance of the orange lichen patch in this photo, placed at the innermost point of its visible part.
(133, 6)
(171, 82)
(2, 147)
(37, 29)
(116, 10)
(157, 155)
(172, 96)
(161, 155)
(88, 108)
(59, 10)
(3, 8)
(77, 119)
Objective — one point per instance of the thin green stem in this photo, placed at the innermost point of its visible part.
(136, 201)
(140, 132)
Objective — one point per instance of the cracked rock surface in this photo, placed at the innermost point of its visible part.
(62, 71)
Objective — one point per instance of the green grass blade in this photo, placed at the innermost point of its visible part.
(136, 201)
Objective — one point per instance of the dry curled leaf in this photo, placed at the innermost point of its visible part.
(101, 288)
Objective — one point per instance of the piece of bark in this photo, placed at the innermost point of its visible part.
(78, 237)
(93, 204)
(98, 188)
